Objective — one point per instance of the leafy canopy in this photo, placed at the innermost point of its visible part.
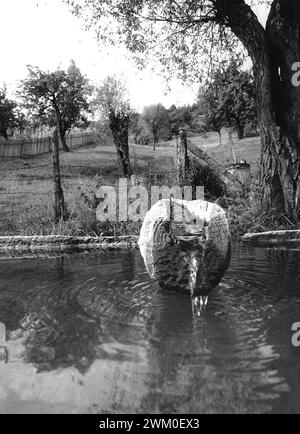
(229, 100)
(186, 36)
(157, 120)
(10, 116)
(112, 98)
(56, 97)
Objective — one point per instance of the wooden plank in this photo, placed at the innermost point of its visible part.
(273, 238)
(182, 157)
(18, 148)
(63, 243)
(197, 152)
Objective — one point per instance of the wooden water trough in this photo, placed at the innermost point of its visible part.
(58, 243)
(274, 239)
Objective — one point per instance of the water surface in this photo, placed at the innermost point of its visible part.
(93, 334)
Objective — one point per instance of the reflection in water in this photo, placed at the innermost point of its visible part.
(92, 333)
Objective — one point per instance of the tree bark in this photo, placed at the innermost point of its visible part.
(62, 137)
(182, 158)
(231, 144)
(281, 154)
(273, 52)
(119, 125)
(239, 130)
(61, 132)
(59, 204)
(220, 137)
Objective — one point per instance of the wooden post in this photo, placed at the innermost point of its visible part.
(231, 144)
(182, 156)
(176, 149)
(59, 205)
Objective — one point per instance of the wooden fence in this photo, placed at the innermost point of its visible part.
(183, 146)
(23, 148)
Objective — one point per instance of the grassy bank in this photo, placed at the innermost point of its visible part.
(26, 188)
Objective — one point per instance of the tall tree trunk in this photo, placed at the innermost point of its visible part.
(273, 52)
(220, 137)
(61, 132)
(231, 144)
(119, 125)
(281, 145)
(59, 205)
(62, 138)
(239, 130)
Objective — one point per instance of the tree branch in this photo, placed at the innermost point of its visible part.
(179, 20)
(243, 22)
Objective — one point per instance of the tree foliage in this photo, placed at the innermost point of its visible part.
(58, 98)
(113, 103)
(184, 117)
(164, 124)
(112, 96)
(189, 36)
(179, 33)
(139, 130)
(11, 118)
(229, 100)
(157, 120)
(239, 100)
(209, 100)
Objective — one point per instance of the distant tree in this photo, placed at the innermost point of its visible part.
(186, 117)
(178, 118)
(229, 100)
(58, 98)
(136, 126)
(157, 120)
(112, 98)
(175, 121)
(138, 129)
(208, 100)
(10, 116)
(238, 99)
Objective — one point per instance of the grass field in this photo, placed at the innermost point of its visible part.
(247, 149)
(26, 185)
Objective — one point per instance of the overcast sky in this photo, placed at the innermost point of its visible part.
(44, 33)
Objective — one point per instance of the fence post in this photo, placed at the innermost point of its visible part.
(59, 206)
(231, 144)
(182, 156)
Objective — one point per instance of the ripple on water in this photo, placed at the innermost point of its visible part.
(96, 328)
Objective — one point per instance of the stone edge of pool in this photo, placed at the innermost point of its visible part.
(57, 243)
(273, 238)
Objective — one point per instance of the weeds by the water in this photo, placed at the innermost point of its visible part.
(80, 221)
(246, 213)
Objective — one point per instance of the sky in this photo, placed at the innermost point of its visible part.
(44, 33)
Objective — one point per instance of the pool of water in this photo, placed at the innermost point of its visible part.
(93, 334)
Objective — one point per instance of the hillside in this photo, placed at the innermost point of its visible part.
(26, 185)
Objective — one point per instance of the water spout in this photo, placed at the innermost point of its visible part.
(199, 305)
